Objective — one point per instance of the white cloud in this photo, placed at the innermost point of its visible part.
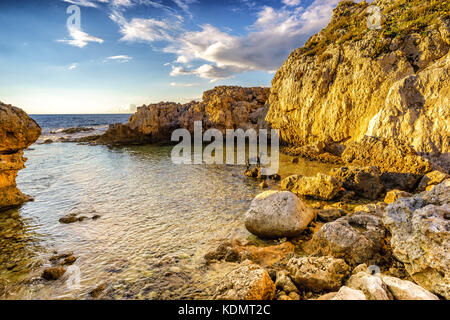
(120, 59)
(72, 66)
(221, 54)
(145, 30)
(86, 3)
(292, 3)
(80, 39)
(184, 5)
(184, 85)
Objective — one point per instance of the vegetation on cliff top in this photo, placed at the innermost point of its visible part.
(400, 19)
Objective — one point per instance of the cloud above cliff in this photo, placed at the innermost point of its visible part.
(270, 39)
(208, 51)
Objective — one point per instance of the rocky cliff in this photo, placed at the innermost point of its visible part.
(226, 107)
(17, 132)
(350, 81)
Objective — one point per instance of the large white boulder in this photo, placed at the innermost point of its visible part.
(278, 214)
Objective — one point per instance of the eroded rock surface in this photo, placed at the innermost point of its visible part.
(407, 290)
(349, 81)
(246, 282)
(318, 273)
(358, 238)
(17, 132)
(420, 229)
(322, 187)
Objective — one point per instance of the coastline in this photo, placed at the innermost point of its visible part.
(358, 210)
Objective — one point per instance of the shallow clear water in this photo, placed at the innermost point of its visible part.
(157, 221)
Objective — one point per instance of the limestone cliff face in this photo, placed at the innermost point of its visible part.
(17, 132)
(226, 107)
(349, 81)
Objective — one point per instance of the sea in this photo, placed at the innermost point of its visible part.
(155, 220)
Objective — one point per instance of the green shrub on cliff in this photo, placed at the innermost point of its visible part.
(400, 19)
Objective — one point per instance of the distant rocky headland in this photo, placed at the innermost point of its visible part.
(373, 102)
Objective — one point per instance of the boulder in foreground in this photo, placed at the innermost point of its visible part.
(278, 214)
(358, 238)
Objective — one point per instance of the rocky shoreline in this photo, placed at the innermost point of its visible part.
(377, 108)
(17, 132)
(383, 251)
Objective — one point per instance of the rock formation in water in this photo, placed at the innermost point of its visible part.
(17, 132)
(349, 81)
(221, 108)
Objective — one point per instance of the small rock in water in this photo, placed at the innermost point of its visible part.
(95, 293)
(53, 273)
(69, 219)
(69, 261)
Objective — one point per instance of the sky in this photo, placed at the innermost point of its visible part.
(133, 52)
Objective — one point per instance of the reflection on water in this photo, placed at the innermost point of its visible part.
(157, 221)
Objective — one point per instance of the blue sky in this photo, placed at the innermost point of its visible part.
(143, 51)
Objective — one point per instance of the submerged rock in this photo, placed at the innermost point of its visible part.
(246, 282)
(17, 132)
(318, 273)
(53, 273)
(421, 237)
(358, 238)
(278, 214)
(265, 256)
